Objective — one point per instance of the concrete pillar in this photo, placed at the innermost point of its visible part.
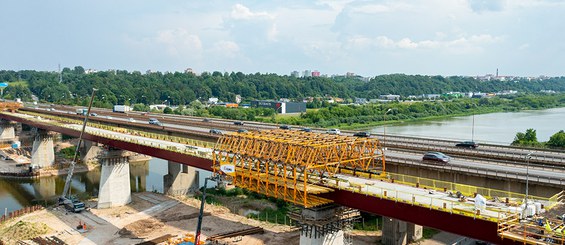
(398, 232)
(180, 180)
(42, 153)
(138, 175)
(115, 189)
(321, 226)
(7, 130)
(90, 151)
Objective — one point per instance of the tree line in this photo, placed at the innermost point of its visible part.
(124, 87)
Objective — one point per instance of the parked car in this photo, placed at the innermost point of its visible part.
(467, 144)
(362, 134)
(215, 131)
(242, 130)
(285, 127)
(333, 131)
(238, 123)
(153, 121)
(306, 129)
(436, 156)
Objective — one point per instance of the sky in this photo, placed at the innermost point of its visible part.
(369, 38)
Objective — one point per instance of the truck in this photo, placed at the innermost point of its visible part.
(121, 108)
(72, 204)
(81, 111)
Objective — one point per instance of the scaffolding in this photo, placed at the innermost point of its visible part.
(320, 221)
(293, 165)
(10, 106)
(543, 228)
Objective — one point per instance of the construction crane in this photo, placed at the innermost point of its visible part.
(73, 204)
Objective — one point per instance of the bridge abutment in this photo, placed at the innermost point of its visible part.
(398, 232)
(115, 188)
(181, 179)
(42, 153)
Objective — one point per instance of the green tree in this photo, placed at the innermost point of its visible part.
(526, 139)
(168, 110)
(557, 140)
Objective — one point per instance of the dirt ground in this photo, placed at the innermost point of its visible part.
(152, 215)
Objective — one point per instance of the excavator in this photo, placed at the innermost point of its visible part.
(71, 203)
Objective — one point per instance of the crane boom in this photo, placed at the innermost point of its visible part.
(73, 162)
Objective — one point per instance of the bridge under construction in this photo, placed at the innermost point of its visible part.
(314, 170)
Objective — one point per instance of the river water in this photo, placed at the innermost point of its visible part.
(148, 176)
(498, 128)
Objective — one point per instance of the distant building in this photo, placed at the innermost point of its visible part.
(189, 70)
(213, 100)
(280, 106)
(295, 74)
(315, 73)
(432, 96)
(389, 97)
(157, 107)
(307, 73)
(360, 100)
(349, 74)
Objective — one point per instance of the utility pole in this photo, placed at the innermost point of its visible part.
(527, 178)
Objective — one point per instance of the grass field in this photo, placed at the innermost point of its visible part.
(22, 83)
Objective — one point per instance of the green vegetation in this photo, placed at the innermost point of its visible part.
(429, 233)
(187, 90)
(529, 138)
(67, 153)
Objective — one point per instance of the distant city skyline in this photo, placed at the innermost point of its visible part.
(437, 37)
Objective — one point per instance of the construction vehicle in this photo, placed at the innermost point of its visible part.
(73, 204)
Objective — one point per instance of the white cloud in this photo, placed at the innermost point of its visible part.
(227, 48)
(240, 12)
(179, 42)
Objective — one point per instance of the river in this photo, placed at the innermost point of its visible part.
(497, 128)
(148, 176)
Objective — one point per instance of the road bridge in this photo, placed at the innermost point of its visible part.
(372, 194)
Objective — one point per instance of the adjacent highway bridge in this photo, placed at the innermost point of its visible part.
(312, 169)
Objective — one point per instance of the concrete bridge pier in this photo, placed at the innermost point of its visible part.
(324, 225)
(7, 130)
(398, 232)
(115, 189)
(181, 179)
(90, 151)
(42, 153)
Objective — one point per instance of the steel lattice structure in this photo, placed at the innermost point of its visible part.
(10, 106)
(293, 165)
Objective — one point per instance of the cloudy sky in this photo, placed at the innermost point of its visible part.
(432, 37)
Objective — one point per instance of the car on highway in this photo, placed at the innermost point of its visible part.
(285, 127)
(242, 130)
(306, 129)
(467, 144)
(92, 114)
(436, 156)
(333, 131)
(362, 134)
(109, 117)
(215, 131)
(238, 123)
(153, 121)
(131, 119)
(205, 120)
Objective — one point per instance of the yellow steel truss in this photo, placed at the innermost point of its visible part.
(290, 165)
